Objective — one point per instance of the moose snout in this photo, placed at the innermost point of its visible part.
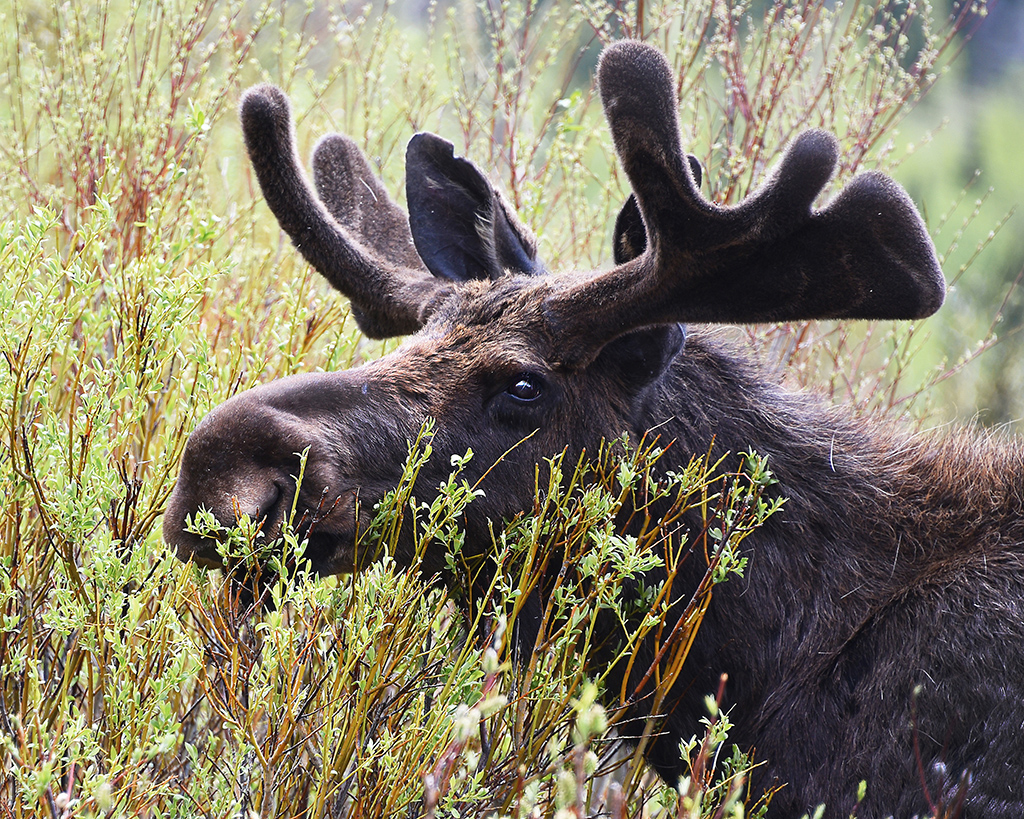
(243, 460)
(222, 475)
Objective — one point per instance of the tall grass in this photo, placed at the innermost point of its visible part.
(144, 283)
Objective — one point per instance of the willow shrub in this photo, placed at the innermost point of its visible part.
(143, 283)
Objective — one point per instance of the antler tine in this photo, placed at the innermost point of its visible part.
(389, 299)
(770, 258)
(358, 201)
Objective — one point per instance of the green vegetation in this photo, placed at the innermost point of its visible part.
(144, 283)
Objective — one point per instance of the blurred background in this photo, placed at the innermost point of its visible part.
(976, 113)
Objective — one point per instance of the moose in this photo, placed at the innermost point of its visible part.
(878, 633)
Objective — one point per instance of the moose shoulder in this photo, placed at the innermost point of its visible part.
(879, 632)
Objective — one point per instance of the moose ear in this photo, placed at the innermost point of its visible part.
(462, 228)
(639, 357)
(630, 236)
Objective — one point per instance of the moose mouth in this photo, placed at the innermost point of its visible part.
(327, 534)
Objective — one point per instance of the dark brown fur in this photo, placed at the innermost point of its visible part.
(877, 633)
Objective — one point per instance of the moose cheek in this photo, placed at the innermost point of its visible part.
(514, 420)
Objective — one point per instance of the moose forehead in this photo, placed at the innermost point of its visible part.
(514, 303)
(494, 324)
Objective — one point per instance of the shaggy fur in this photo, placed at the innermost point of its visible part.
(877, 634)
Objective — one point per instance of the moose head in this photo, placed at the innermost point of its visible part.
(501, 349)
(519, 364)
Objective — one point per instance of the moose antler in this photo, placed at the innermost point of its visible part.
(362, 245)
(394, 268)
(770, 258)
(357, 199)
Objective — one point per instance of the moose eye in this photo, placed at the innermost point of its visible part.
(526, 387)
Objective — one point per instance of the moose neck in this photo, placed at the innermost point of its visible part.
(821, 558)
(873, 513)
(852, 530)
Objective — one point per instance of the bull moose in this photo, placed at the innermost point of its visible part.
(878, 633)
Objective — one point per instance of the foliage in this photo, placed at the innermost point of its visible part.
(144, 283)
(969, 133)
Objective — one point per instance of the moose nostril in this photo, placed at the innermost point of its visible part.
(256, 505)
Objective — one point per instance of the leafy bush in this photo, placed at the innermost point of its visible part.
(144, 283)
